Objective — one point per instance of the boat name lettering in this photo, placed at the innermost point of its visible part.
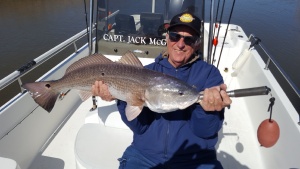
(132, 39)
(135, 39)
(158, 41)
(114, 38)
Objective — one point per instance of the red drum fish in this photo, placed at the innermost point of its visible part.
(126, 79)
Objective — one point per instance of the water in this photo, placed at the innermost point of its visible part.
(277, 24)
(31, 27)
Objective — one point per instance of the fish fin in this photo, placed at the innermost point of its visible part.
(84, 95)
(135, 100)
(88, 61)
(135, 104)
(130, 58)
(132, 111)
(43, 94)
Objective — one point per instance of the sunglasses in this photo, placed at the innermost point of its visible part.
(188, 40)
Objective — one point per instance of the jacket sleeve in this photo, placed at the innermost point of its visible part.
(206, 124)
(140, 124)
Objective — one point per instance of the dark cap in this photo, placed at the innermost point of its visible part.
(187, 19)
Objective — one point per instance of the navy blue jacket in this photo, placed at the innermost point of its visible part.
(183, 137)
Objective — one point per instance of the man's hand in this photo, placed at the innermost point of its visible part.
(100, 89)
(215, 98)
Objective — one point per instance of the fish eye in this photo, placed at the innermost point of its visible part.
(180, 93)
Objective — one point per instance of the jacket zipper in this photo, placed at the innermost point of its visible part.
(168, 132)
(166, 141)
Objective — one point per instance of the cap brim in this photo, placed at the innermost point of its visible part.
(182, 24)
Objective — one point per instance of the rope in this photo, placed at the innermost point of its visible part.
(270, 109)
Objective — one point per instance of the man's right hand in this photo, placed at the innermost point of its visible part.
(100, 89)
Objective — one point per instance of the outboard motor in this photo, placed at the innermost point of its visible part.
(174, 7)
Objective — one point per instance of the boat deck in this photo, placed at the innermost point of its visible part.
(236, 148)
(59, 154)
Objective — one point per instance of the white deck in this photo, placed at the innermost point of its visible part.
(237, 148)
(59, 154)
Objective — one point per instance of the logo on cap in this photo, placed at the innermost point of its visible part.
(187, 18)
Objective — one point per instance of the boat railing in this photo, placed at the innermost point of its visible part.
(17, 74)
(278, 67)
(293, 92)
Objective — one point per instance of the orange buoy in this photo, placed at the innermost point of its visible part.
(215, 42)
(268, 133)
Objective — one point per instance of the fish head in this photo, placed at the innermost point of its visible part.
(169, 95)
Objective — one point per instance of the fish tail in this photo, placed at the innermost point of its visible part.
(43, 94)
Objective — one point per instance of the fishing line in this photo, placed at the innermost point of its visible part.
(226, 32)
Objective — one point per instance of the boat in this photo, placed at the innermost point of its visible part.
(91, 134)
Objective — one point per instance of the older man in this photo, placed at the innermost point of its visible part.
(183, 138)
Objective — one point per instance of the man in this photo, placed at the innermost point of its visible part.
(183, 138)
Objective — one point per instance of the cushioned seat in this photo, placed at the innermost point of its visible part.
(124, 25)
(99, 146)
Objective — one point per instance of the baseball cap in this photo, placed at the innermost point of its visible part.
(187, 19)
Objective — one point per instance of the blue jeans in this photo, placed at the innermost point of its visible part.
(134, 159)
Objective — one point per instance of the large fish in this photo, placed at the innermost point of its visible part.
(127, 80)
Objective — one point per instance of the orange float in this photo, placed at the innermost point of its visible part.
(215, 41)
(268, 133)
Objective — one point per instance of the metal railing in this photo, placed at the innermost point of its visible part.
(277, 66)
(17, 74)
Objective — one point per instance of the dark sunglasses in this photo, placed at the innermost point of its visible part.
(188, 40)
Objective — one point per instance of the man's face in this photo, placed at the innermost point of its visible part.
(180, 51)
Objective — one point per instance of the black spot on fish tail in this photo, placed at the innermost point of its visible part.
(43, 94)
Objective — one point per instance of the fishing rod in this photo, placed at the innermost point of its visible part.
(216, 17)
(215, 40)
(226, 32)
(255, 91)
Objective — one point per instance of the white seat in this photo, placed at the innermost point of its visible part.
(98, 146)
(102, 139)
(8, 163)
